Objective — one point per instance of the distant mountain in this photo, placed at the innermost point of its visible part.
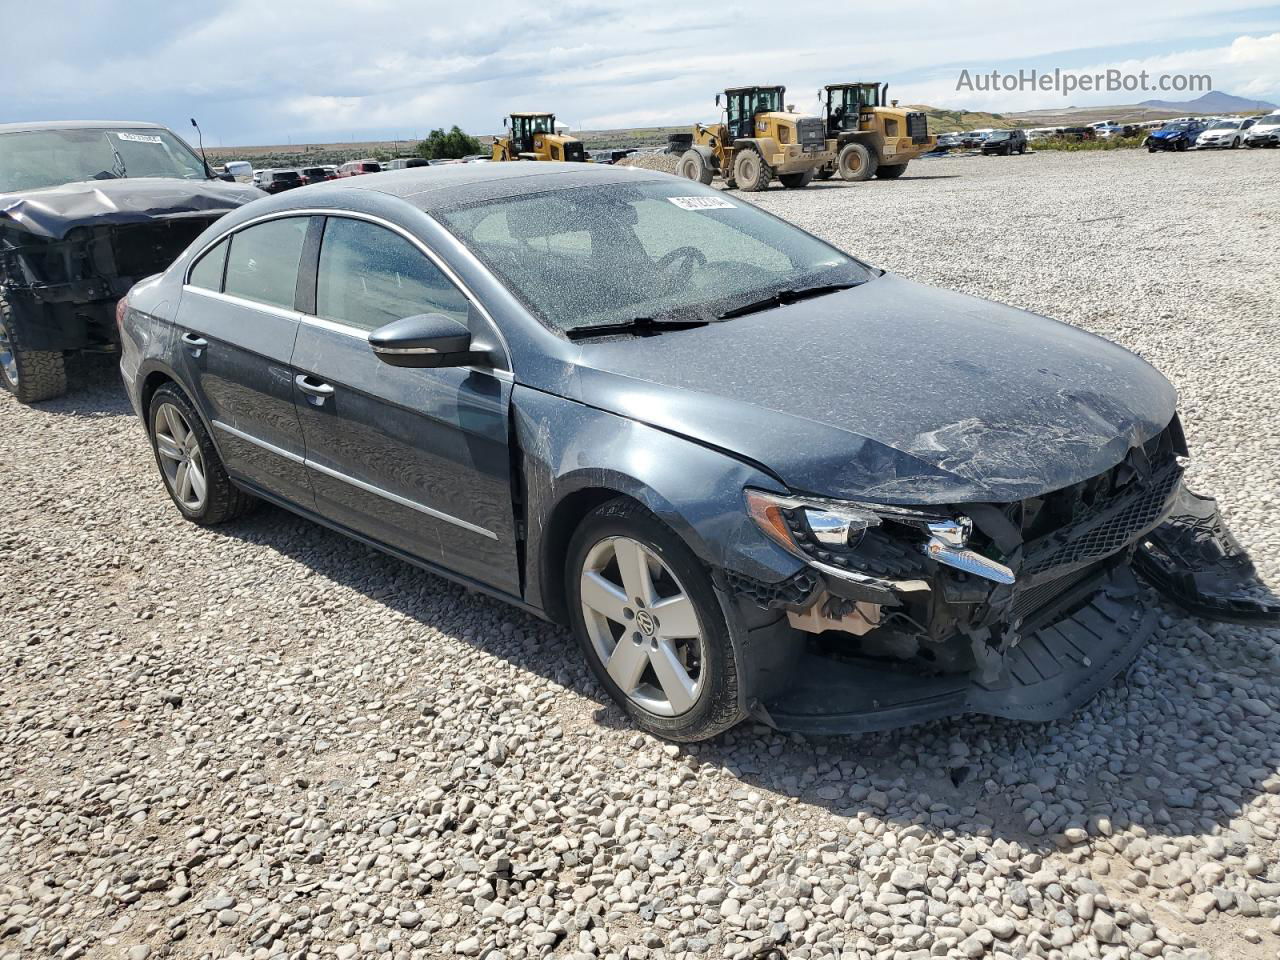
(1212, 102)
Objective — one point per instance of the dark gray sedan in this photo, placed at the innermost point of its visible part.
(755, 476)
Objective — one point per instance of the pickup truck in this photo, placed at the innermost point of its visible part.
(86, 210)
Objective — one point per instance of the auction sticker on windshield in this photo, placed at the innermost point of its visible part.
(702, 203)
(139, 138)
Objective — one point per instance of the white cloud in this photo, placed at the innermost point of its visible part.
(316, 68)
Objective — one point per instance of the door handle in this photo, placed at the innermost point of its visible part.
(193, 343)
(315, 388)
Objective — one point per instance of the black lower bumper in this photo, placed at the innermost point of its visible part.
(1052, 671)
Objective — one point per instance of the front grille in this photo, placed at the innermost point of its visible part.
(142, 249)
(1112, 530)
(811, 131)
(575, 151)
(917, 127)
(1029, 600)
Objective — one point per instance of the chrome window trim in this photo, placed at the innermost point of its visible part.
(360, 484)
(430, 254)
(271, 308)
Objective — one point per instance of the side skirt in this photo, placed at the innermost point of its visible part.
(421, 564)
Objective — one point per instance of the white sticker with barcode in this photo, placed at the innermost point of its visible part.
(139, 138)
(702, 203)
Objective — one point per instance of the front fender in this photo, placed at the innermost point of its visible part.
(572, 454)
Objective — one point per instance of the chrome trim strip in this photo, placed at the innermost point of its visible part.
(403, 501)
(282, 312)
(269, 447)
(333, 326)
(367, 487)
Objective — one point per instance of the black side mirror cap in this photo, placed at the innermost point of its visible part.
(425, 340)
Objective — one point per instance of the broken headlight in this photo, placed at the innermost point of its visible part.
(829, 532)
(810, 529)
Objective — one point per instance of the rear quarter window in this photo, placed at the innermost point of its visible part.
(207, 273)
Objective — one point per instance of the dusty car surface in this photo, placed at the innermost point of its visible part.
(704, 439)
(86, 210)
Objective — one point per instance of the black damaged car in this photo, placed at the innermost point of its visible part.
(87, 209)
(756, 476)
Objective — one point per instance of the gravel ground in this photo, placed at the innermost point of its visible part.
(269, 741)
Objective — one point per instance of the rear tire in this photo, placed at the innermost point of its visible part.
(693, 166)
(892, 171)
(30, 375)
(856, 163)
(707, 703)
(750, 171)
(796, 181)
(178, 439)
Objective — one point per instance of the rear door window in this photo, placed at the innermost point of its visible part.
(369, 276)
(263, 262)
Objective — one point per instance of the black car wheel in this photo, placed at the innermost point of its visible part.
(30, 375)
(647, 618)
(189, 463)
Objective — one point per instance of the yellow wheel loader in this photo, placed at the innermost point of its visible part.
(532, 136)
(868, 138)
(757, 142)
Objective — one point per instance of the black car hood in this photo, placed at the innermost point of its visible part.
(53, 211)
(892, 392)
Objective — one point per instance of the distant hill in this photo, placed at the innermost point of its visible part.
(1212, 102)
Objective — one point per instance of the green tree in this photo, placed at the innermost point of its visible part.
(447, 146)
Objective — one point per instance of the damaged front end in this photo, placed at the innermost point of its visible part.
(1023, 610)
(65, 288)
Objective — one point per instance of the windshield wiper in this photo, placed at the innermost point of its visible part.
(640, 325)
(780, 298)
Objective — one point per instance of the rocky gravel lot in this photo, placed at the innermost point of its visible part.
(268, 741)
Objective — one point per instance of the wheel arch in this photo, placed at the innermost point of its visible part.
(154, 374)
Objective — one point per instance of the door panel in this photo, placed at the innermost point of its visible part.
(235, 352)
(415, 458)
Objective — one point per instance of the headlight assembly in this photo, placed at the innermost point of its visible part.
(827, 533)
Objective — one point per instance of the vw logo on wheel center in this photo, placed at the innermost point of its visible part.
(646, 623)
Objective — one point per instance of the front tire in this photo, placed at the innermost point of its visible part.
(750, 171)
(694, 166)
(189, 463)
(797, 181)
(856, 163)
(892, 171)
(646, 616)
(30, 375)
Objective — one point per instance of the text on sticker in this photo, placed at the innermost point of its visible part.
(138, 138)
(701, 203)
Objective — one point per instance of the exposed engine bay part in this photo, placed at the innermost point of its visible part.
(1193, 560)
(855, 617)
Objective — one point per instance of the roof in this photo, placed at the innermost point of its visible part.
(756, 86)
(534, 113)
(78, 125)
(854, 83)
(442, 187)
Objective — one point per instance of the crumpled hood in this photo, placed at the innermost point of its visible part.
(53, 211)
(1169, 134)
(894, 392)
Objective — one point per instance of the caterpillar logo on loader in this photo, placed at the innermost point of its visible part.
(868, 138)
(532, 136)
(757, 142)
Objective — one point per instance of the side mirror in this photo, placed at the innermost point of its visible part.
(424, 340)
(717, 99)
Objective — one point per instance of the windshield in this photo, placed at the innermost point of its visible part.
(1000, 135)
(1178, 126)
(611, 253)
(1225, 125)
(32, 159)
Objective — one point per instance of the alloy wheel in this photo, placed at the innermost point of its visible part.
(643, 626)
(181, 461)
(8, 361)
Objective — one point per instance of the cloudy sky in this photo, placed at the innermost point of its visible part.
(276, 71)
